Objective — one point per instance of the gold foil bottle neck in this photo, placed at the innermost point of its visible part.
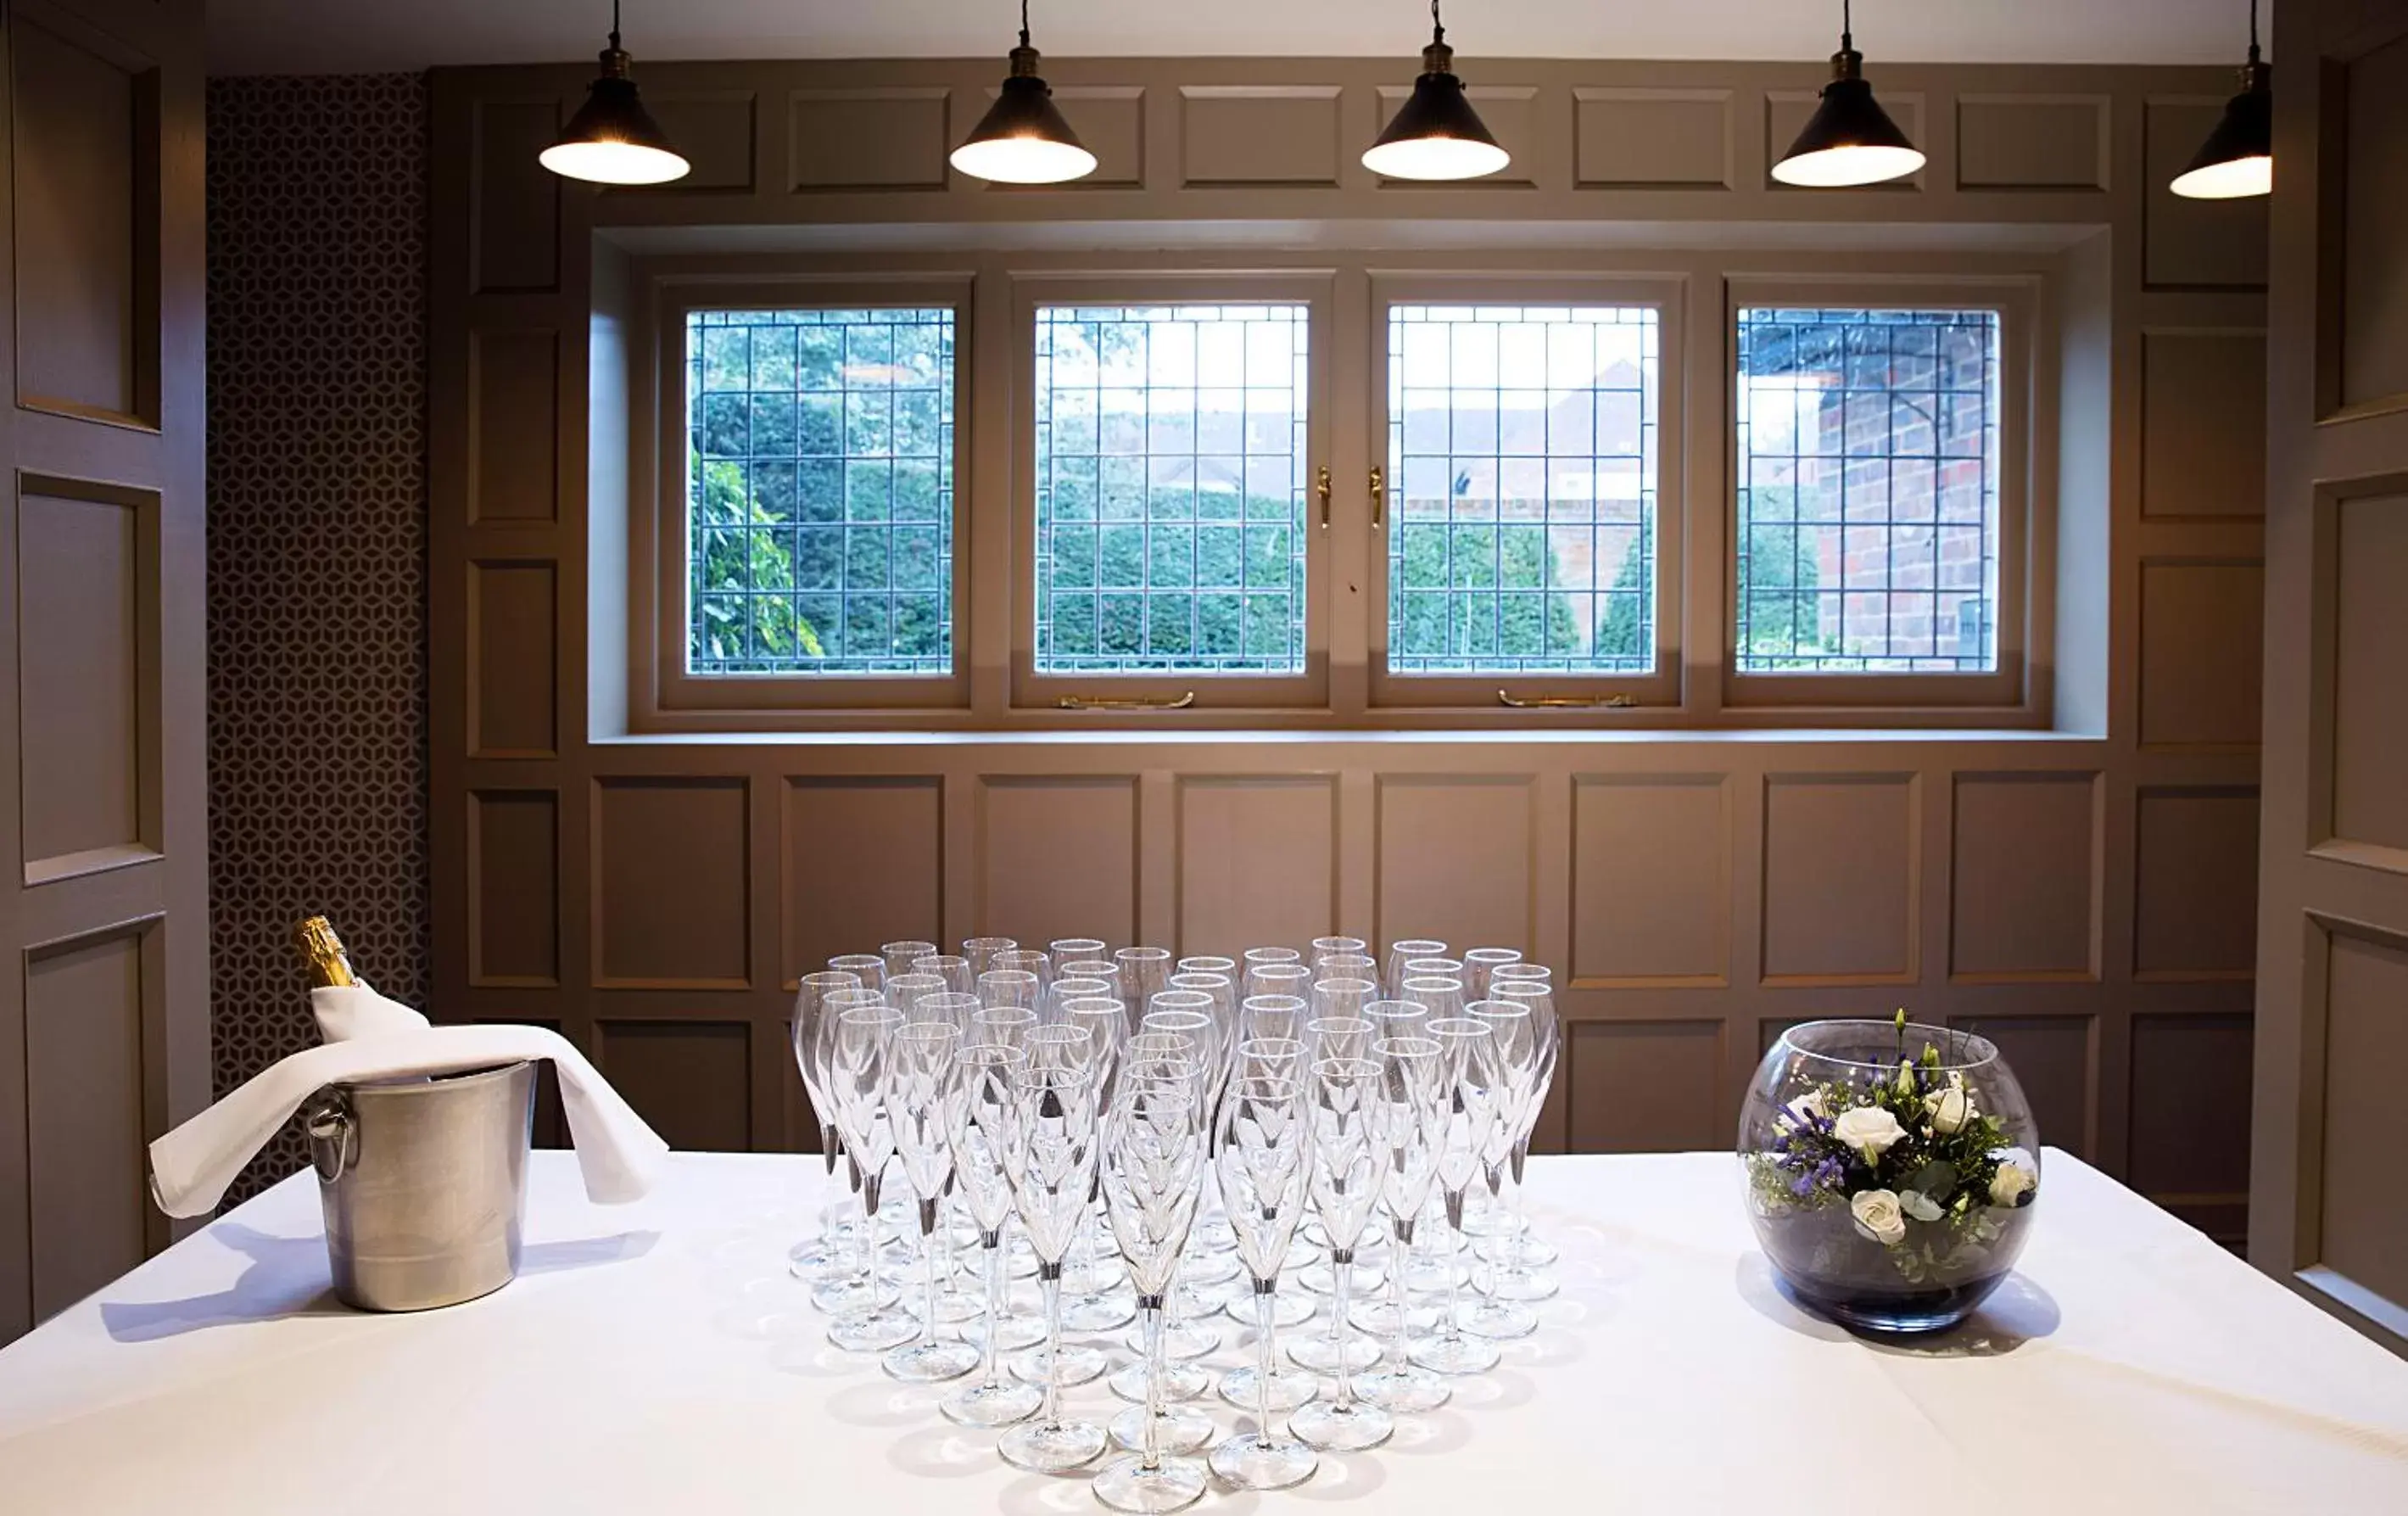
(321, 953)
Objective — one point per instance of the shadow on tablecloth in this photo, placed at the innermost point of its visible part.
(2015, 1313)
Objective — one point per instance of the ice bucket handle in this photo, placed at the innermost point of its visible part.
(334, 1137)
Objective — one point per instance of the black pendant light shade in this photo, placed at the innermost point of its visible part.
(1850, 139)
(612, 140)
(1435, 135)
(2237, 160)
(1023, 139)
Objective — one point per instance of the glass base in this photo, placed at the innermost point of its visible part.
(1406, 1389)
(1516, 1281)
(1287, 1310)
(1208, 1268)
(1188, 1339)
(1051, 1447)
(1429, 1276)
(873, 1331)
(849, 1295)
(1180, 1382)
(1321, 1353)
(1379, 1319)
(1251, 1461)
(1098, 1312)
(925, 1363)
(1098, 1277)
(822, 1259)
(1290, 1388)
(1519, 1249)
(1334, 1428)
(1170, 1484)
(956, 1304)
(1500, 1320)
(1076, 1365)
(1012, 1333)
(1322, 1279)
(1177, 1429)
(1455, 1355)
(1215, 1235)
(998, 1404)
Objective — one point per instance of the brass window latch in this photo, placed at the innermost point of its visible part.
(1321, 487)
(1567, 702)
(1379, 497)
(1128, 702)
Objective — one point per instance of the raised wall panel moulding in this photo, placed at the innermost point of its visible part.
(671, 887)
(513, 662)
(1654, 139)
(1257, 861)
(691, 1080)
(2024, 888)
(1843, 879)
(1650, 880)
(514, 888)
(2055, 1059)
(2182, 1065)
(1456, 859)
(2373, 325)
(2202, 425)
(862, 863)
(514, 200)
(2365, 1046)
(2367, 711)
(513, 426)
(1260, 135)
(2034, 141)
(1058, 857)
(853, 140)
(1647, 1087)
(2201, 663)
(2194, 882)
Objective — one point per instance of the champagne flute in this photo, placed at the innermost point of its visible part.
(921, 1089)
(1142, 971)
(1329, 947)
(1480, 965)
(900, 956)
(1348, 966)
(1469, 1077)
(1341, 1102)
(1097, 1303)
(950, 967)
(1433, 968)
(1158, 1055)
(1262, 1159)
(1026, 959)
(1279, 978)
(1279, 1017)
(869, 968)
(1518, 1255)
(1209, 964)
(1061, 1048)
(1264, 957)
(860, 1067)
(1402, 952)
(1070, 950)
(1511, 1029)
(981, 951)
(1408, 1119)
(1007, 986)
(1153, 1168)
(1051, 1165)
(982, 1123)
(825, 1256)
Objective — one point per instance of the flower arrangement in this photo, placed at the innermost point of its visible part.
(1921, 1165)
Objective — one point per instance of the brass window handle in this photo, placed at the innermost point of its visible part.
(1131, 702)
(1321, 487)
(1379, 497)
(1567, 702)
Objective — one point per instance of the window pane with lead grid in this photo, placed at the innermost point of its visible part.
(1522, 450)
(820, 491)
(1867, 491)
(1170, 459)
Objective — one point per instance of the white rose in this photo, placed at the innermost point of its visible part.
(1949, 1109)
(2011, 1184)
(1879, 1216)
(1871, 1130)
(1806, 1108)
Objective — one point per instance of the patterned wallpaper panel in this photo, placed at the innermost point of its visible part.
(317, 550)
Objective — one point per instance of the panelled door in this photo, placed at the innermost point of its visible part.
(104, 915)
(2332, 1008)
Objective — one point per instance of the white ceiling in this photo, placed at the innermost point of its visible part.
(328, 37)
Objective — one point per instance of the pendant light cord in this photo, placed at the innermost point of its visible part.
(1024, 20)
(1438, 28)
(614, 24)
(1848, 25)
(2253, 32)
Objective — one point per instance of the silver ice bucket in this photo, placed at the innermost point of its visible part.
(424, 1184)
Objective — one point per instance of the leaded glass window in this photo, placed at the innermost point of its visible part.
(1868, 458)
(1522, 458)
(820, 491)
(1172, 446)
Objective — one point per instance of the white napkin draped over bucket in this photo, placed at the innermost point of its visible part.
(370, 1037)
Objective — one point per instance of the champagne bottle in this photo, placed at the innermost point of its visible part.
(321, 953)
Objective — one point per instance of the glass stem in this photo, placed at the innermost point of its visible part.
(1050, 1276)
(1521, 1211)
(1341, 1266)
(1401, 1265)
(1149, 1309)
(869, 1235)
(1264, 1362)
(928, 1253)
(1447, 1329)
(991, 1245)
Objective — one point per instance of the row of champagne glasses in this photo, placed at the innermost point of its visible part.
(1358, 1094)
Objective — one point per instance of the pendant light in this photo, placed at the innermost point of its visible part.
(1023, 138)
(1435, 135)
(2238, 158)
(612, 140)
(1850, 139)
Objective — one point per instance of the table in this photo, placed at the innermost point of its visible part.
(655, 1358)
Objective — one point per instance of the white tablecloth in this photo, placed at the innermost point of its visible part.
(655, 1358)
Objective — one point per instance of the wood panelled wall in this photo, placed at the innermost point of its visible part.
(2084, 895)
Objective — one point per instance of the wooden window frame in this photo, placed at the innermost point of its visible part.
(2026, 392)
(679, 692)
(1549, 693)
(1147, 693)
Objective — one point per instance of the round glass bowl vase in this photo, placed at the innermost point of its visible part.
(1891, 1171)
